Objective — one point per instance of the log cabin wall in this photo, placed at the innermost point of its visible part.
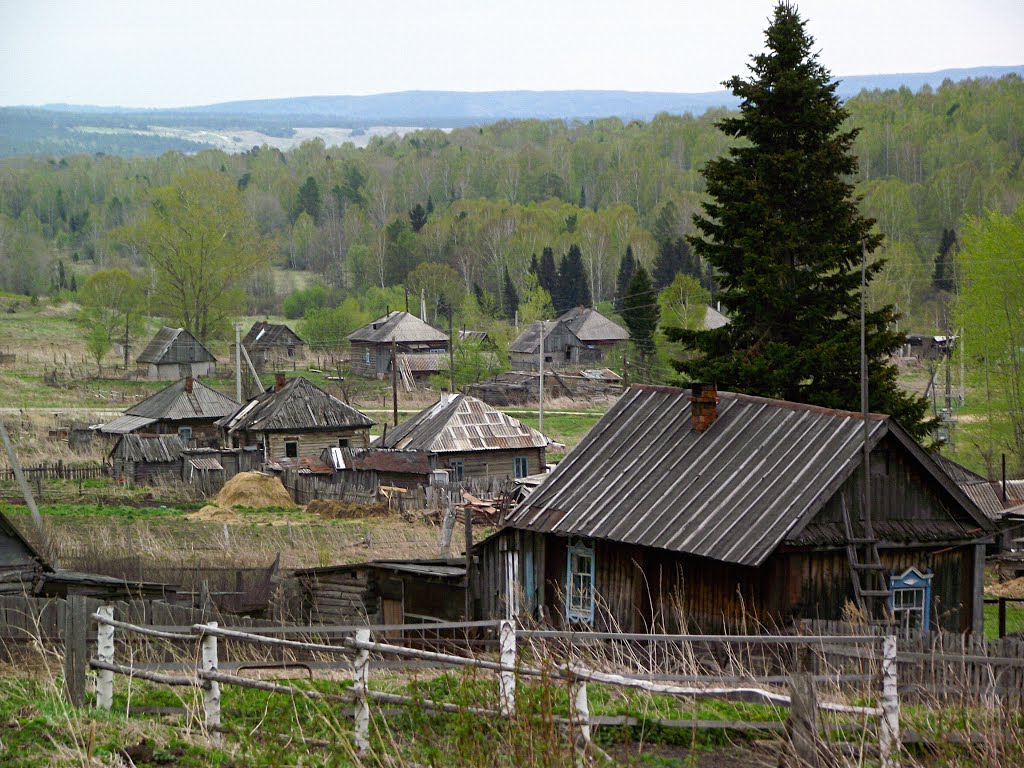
(343, 597)
(311, 443)
(497, 464)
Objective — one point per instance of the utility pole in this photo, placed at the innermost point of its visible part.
(451, 351)
(238, 362)
(864, 389)
(540, 389)
(394, 378)
(625, 369)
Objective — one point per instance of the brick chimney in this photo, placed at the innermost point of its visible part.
(703, 405)
(188, 384)
(279, 382)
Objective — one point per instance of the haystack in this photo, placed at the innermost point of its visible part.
(255, 490)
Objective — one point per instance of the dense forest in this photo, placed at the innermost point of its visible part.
(480, 203)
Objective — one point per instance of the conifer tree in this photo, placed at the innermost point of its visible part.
(943, 278)
(572, 280)
(626, 269)
(640, 311)
(510, 296)
(785, 238)
(548, 275)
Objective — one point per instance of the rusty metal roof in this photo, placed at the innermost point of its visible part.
(462, 423)
(401, 327)
(591, 326)
(175, 345)
(299, 405)
(173, 403)
(734, 492)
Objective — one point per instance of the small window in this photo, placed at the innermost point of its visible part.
(343, 442)
(521, 466)
(579, 587)
(457, 470)
(291, 449)
(184, 434)
(366, 357)
(911, 601)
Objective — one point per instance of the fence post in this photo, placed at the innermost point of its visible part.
(579, 706)
(803, 719)
(507, 683)
(361, 679)
(105, 652)
(211, 689)
(76, 621)
(1002, 617)
(889, 726)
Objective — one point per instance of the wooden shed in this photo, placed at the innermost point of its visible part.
(736, 511)
(562, 347)
(175, 353)
(372, 345)
(147, 459)
(273, 346)
(20, 563)
(384, 592)
(471, 439)
(296, 418)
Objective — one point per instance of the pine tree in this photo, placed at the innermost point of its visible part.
(785, 238)
(640, 311)
(417, 217)
(308, 200)
(626, 268)
(548, 276)
(943, 277)
(510, 296)
(572, 278)
(668, 263)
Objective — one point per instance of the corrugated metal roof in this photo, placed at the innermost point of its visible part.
(173, 403)
(299, 405)
(264, 335)
(734, 492)
(205, 463)
(590, 326)
(462, 423)
(426, 362)
(175, 345)
(151, 449)
(122, 425)
(714, 319)
(958, 472)
(401, 327)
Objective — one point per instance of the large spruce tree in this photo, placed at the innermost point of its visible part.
(784, 236)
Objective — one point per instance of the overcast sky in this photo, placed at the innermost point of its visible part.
(164, 53)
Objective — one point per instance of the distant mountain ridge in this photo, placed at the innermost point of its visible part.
(466, 107)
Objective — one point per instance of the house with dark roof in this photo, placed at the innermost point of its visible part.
(562, 347)
(273, 345)
(402, 332)
(146, 459)
(689, 509)
(187, 408)
(296, 418)
(471, 439)
(174, 353)
(594, 329)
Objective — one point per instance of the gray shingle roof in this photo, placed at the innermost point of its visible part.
(122, 425)
(299, 405)
(154, 449)
(401, 327)
(264, 335)
(528, 341)
(734, 492)
(173, 403)
(462, 423)
(590, 326)
(175, 345)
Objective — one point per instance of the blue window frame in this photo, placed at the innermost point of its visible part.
(579, 582)
(911, 600)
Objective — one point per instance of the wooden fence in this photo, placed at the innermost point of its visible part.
(1002, 603)
(357, 643)
(58, 471)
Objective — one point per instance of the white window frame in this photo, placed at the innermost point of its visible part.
(579, 582)
(911, 601)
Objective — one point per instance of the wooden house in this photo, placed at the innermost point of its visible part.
(562, 347)
(20, 563)
(596, 331)
(384, 592)
(372, 344)
(147, 459)
(273, 346)
(296, 418)
(471, 439)
(398, 469)
(187, 408)
(174, 353)
(679, 511)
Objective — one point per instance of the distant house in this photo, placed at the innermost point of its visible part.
(562, 347)
(595, 330)
(296, 418)
(471, 439)
(696, 509)
(407, 334)
(714, 319)
(187, 408)
(147, 459)
(174, 353)
(273, 345)
(402, 469)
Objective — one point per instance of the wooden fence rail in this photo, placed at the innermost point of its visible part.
(510, 667)
(58, 471)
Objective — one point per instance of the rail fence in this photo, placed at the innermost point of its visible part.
(514, 662)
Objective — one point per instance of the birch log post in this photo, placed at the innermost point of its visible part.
(889, 726)
(105, 654)
(579, 709)
(361, 680)
(211, 692)
(507, 680)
